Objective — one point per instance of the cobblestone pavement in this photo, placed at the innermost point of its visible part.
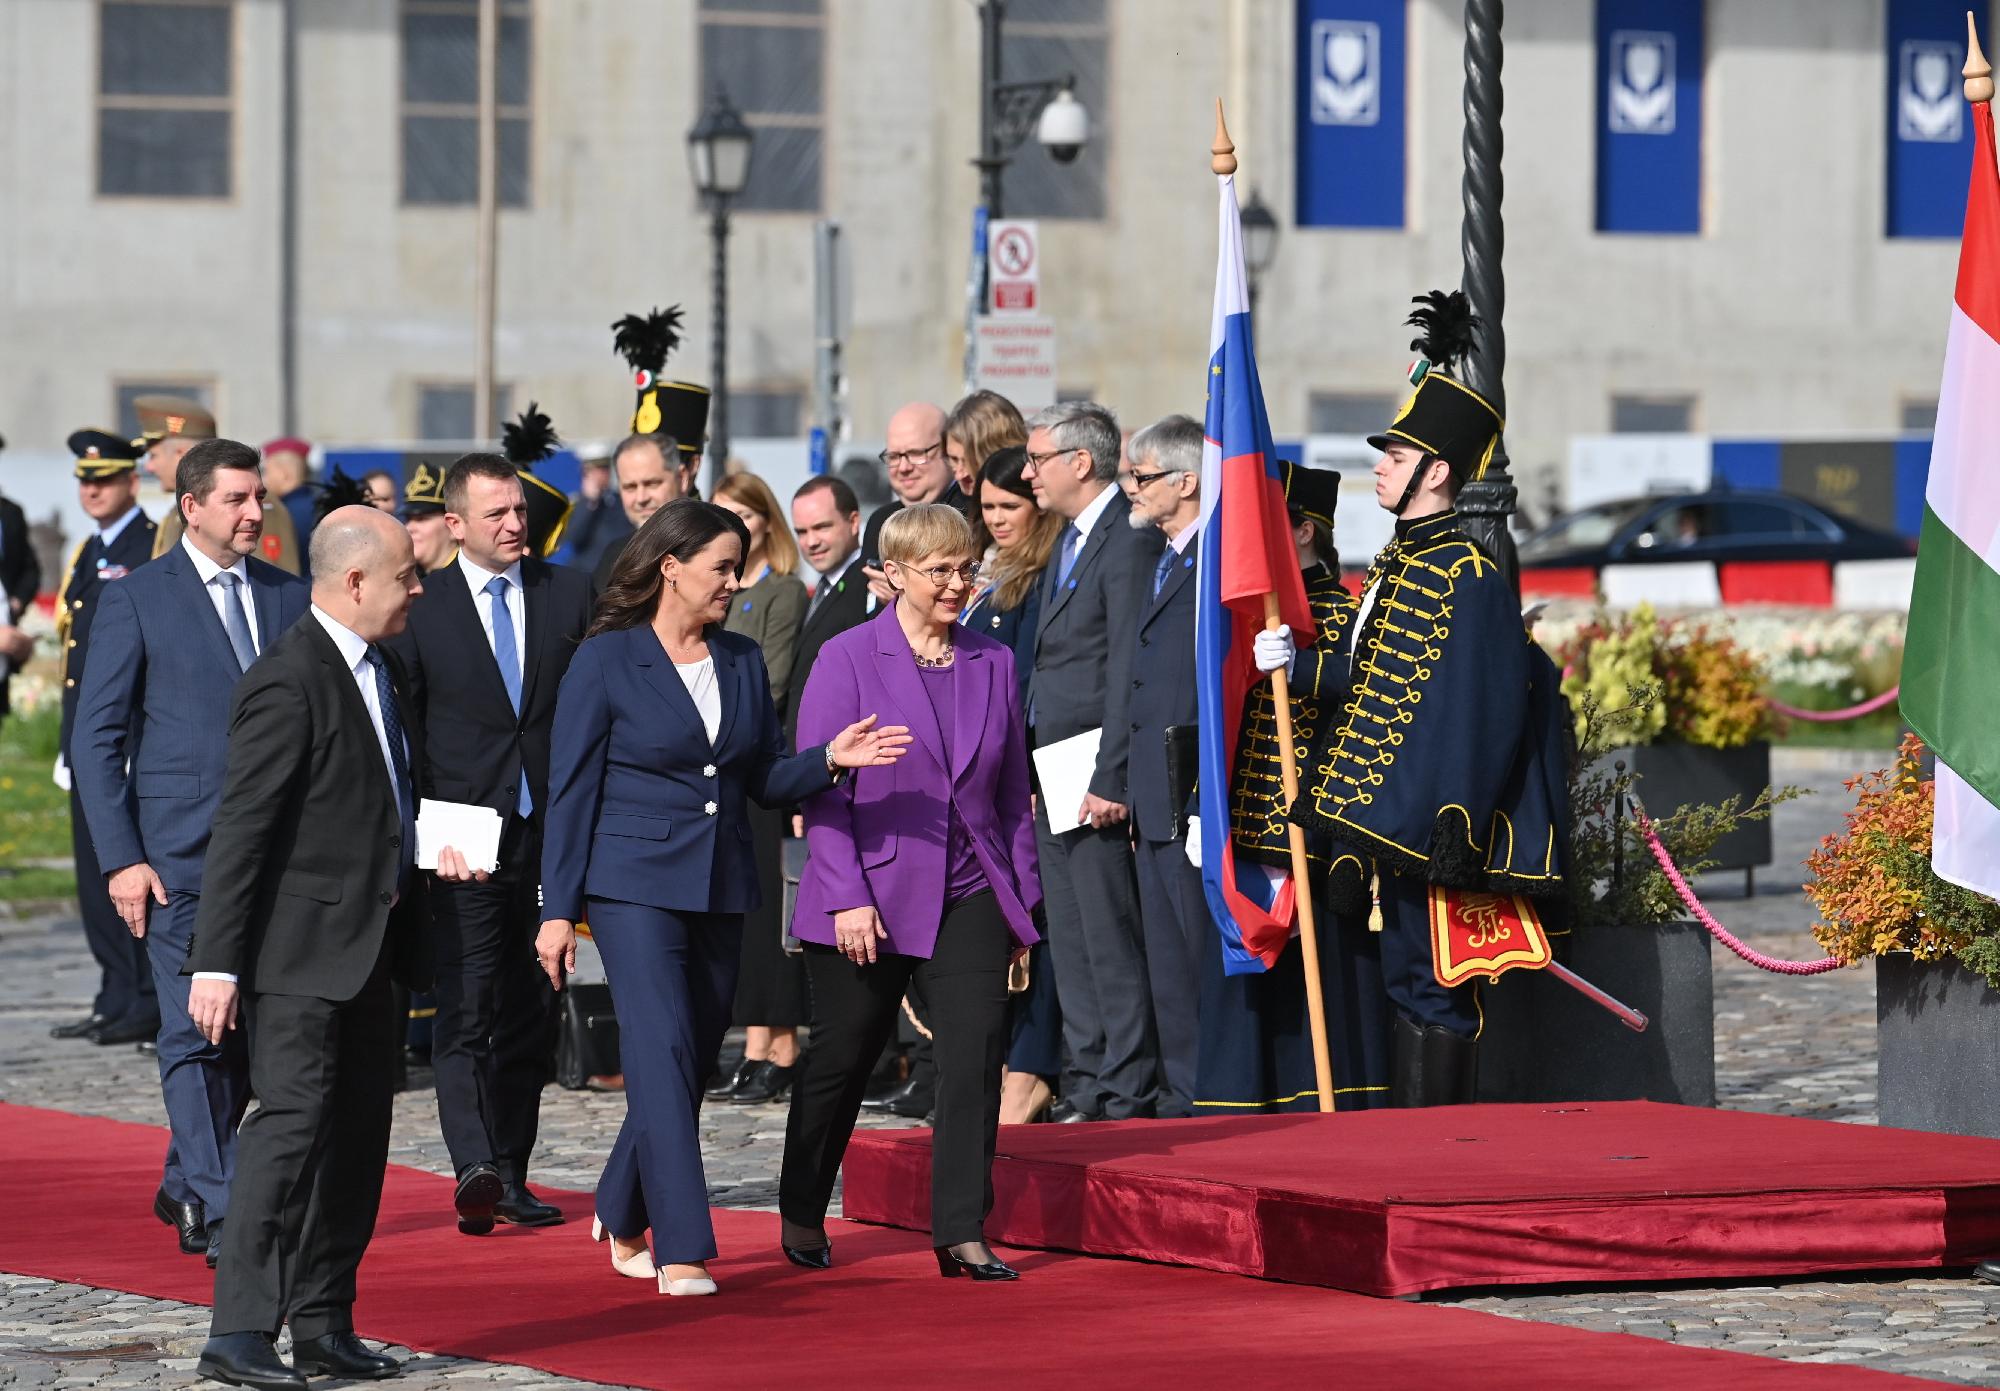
(1799, 1046)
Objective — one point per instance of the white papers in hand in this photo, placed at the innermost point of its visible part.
(1065, 769)
(473, 832)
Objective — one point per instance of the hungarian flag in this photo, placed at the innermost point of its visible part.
(1246, 553)
(1951, 656)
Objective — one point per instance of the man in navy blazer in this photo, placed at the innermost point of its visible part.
(150, 745)
(1166, 494)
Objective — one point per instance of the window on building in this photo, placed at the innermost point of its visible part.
(1652, 415)
(1920, 417)
(444, 411)
(1348, 412)
(200, 389)
(769, 56)
(1054, 39)
(165, 98)
(766, 412)
(440, 102)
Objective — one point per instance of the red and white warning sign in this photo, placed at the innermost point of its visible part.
(1013, 266)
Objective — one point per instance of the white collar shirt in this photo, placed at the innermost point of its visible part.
(477, 577)
(206, 570)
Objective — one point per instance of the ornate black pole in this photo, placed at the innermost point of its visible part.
(1486, 505)
(718, 399)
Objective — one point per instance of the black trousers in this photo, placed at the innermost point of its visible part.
(1175, 922)
(964, 984)
(125, 973)
(493, 1036)
(309, 1160)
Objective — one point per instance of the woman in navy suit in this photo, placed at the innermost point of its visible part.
(664, 727)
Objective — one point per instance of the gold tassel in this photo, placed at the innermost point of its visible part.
(1375, 902)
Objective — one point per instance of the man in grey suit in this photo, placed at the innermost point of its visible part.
(1094, 592)
(151, 741)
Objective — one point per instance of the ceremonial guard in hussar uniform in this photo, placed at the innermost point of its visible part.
(1447, 764)
(169, 426)
(526, 442)
(126, 1010)
(1256, 1041)
(664, 407)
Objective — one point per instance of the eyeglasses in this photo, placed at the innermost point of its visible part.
(1147, 480)
(910, 456)
(941, 575)
(1037, 460)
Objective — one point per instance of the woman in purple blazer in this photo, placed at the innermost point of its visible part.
(924, 869)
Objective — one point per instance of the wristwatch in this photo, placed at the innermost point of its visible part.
(833, 770)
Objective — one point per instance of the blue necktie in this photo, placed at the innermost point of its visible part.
(1163, 569)
(234, 621)
(392, 729)
(1070, 537)
(509, 658)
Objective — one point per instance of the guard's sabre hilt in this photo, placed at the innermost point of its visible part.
(1629, 1017)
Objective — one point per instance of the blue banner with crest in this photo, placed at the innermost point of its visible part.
(1929, 127)
(1650, 57)
(1350, 112)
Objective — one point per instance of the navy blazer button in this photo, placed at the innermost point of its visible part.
(395, 841)
(708, 808)
(708, 770)
(385, 896)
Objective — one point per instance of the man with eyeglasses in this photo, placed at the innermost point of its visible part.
(918, 472)
(1096, 587)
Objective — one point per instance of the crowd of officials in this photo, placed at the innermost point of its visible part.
(712, 683)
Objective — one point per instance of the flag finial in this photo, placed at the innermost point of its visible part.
(1978, 73)
(1224, 153)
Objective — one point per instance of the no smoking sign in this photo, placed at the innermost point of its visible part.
(1013, 267)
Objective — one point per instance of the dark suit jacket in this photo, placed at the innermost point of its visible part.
(476, 748)
(152, 733)
(1163, 691)
(20, 570)
(1016, 627)
(92, 567)
(642, 807)
(871, 532)
(1083, 649)
(306, 848)
(839, 611)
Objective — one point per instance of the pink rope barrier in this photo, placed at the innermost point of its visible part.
(1716, 929)
(1852, 712)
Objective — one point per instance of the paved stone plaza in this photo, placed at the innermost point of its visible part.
(1800, 1046)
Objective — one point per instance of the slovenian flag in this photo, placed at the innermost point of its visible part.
(1246, 553)
(1951, 655)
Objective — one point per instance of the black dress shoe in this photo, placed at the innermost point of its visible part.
(341, 1355)
(1066, 1112)
(725, 1084)
(767, 1082)
(810, 1257)
(186, 1219)
(125, 1031)
(950, 1264)
(1989, 1271)
(524, 1209)
(214, 1252)
(247, 1359)
(913, 1101)
(478, 1191)
(82, 1028)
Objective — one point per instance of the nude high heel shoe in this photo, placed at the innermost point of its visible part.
(637, 1266)
(693, 1284)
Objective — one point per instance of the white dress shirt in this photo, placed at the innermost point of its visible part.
(477, 577)
(1087, 519)
(208, 570)
(703, 690)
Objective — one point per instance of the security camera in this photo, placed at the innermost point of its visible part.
(1064, 127)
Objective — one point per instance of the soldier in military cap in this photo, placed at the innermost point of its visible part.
(422, 514)
(1446, 765)
(169, 426)
(660, 459)
(126, 1009)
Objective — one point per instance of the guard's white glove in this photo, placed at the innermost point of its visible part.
(1194, 841)
(60, 773)
(1273, 648)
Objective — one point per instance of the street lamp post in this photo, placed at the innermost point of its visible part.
(719, 155)
(1486, 505)
(1260, 245)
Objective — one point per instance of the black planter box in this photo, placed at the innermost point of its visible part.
(1545, 1042)
(1674, 775)
(1937, 1030)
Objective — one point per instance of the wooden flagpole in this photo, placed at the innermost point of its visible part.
(1223, 162)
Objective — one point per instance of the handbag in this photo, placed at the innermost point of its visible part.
(587, 1039)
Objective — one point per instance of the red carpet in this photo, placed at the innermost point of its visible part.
(1395, 1202)
(880, 1318)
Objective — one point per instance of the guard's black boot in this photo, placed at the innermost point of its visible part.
(1406, 1063)
(1450, 1068)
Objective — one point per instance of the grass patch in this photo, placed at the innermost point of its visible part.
(34, 812)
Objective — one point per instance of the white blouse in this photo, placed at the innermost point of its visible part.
(699, 678)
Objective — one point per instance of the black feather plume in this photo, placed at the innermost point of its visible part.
(1448, 329)
(530, 439)
(645, 342)
(338, 491)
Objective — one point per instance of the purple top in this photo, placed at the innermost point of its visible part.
(963, 876)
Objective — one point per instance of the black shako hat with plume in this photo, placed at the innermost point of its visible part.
(1443, 416)
(679, 409)
(526, 442)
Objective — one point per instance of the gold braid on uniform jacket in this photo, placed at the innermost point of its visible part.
(1257, 788)
(1448, 760)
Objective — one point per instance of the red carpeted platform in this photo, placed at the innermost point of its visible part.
(82, 1191)
(1395, 1202)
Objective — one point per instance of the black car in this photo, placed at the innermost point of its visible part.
(1721, 524)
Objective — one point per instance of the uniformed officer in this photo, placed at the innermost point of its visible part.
(422, 514)
(527, 441)
(169, 426)
(1446, 765)
(107, 472)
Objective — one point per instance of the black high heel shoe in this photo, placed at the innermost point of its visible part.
(951, 1264)
(810, 1257)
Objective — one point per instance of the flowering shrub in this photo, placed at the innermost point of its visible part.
(1710, 688)
(1874, 886)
